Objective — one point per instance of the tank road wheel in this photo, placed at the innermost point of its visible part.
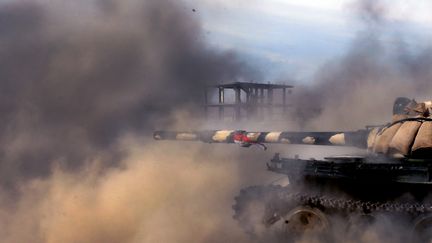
(251, 208)
(422, 231)
(304, 221)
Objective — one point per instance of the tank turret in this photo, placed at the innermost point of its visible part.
(355, 188)
(408, 135)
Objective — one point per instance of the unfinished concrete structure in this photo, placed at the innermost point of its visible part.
(247, 99)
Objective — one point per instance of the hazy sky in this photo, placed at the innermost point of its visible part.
(291, 38)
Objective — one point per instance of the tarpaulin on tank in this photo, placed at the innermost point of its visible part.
(372, 137)
(404, 137)
(423, 143)
(383, 139)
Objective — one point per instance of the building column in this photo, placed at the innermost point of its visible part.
(237, 104)
(221, 102)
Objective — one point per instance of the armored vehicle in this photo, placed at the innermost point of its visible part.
(393, 178)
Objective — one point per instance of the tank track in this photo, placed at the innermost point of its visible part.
(279, 201)
(350, 205)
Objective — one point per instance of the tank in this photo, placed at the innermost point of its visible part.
(393, 178)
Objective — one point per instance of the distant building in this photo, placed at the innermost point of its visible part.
(241, 100)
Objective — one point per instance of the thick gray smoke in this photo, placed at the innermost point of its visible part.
(81, 82)
(359, 88)
(74, 77)
(80, 79)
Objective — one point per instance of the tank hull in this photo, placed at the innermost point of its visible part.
(364, 178)
(348, 188)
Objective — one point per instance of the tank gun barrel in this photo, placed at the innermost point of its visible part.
(352, 138)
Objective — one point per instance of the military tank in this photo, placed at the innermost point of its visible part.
(393, 178)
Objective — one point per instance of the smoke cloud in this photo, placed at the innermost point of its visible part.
(76, 76)
(359, 88)
(79, 80)
(80, 83)
(156, 197)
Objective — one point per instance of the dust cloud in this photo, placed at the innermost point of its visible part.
(359, 88)
(75, 76)
(161, 194)
(78, 78)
